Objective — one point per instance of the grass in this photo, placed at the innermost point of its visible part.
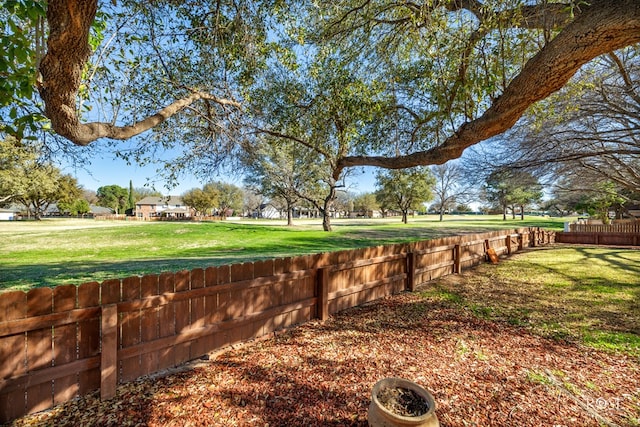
(58, 251)
(585, 295)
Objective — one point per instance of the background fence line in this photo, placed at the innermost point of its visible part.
(59, 343)
(628, 238)
(624, 227)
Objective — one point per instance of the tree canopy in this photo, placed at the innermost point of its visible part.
(589, 128)
(35, 183)
(404, 190)
(511, 189)
(453, 73)
(114, 197)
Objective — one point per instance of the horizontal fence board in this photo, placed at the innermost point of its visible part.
(172, 297)
(434, 267)
(192, 334)
(357, 289)
(475, 258)
(48, 374)
(361, 263)
(435, 249)
(47, 321)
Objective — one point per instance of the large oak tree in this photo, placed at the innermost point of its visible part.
(467, 49)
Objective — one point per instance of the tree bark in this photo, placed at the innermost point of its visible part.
(326, 209)
(289, 216)
(326, 222)
(602, 27)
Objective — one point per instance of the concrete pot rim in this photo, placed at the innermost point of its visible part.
(391, 382)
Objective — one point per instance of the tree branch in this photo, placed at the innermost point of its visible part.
(61, 71)
(601, 28)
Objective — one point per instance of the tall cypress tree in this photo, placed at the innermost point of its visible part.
(131, 203)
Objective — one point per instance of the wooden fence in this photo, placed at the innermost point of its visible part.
(596, 238)
(625, 227)
(56, 344)
(621, 234)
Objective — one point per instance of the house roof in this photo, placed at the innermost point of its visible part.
(100, 210)
(161, 200)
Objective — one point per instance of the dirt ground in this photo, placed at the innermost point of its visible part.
(481, 373)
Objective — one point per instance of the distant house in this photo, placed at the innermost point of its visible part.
(269, 211)
(99, 210)
(8, 214)
(169, 206)
(94, 210)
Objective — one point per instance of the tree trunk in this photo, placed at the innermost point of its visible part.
(504, 213)
(289, 216)
(522, 213)
(326, 221)
(441, 214)
(326, 209)
(404, 217)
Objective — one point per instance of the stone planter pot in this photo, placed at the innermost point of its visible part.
(379, 416)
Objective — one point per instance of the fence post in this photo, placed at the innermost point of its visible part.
(507, 242)
(457, 268)
(411, 271)
(323, 293)
(109, 354)
(520, 241)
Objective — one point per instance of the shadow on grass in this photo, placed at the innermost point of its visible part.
(587, 304)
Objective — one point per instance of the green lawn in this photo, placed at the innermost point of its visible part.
(58, 251)
(588, 294)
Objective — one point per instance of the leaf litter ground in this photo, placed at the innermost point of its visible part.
(481, 373)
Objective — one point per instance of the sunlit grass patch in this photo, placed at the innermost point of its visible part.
(58, 251)
(587, 295)
(615, 341)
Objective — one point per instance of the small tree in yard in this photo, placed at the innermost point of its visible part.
(200, 200)
(277, 170)
(26, 179)
(509, 189)
(450, 187)
(365, 203)
(598, 201)
(114, 197)
(44, 186)
(74, 207)
(230, 197)
(80, 207)
(405, 189)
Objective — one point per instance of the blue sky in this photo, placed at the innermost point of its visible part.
(106, 169)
